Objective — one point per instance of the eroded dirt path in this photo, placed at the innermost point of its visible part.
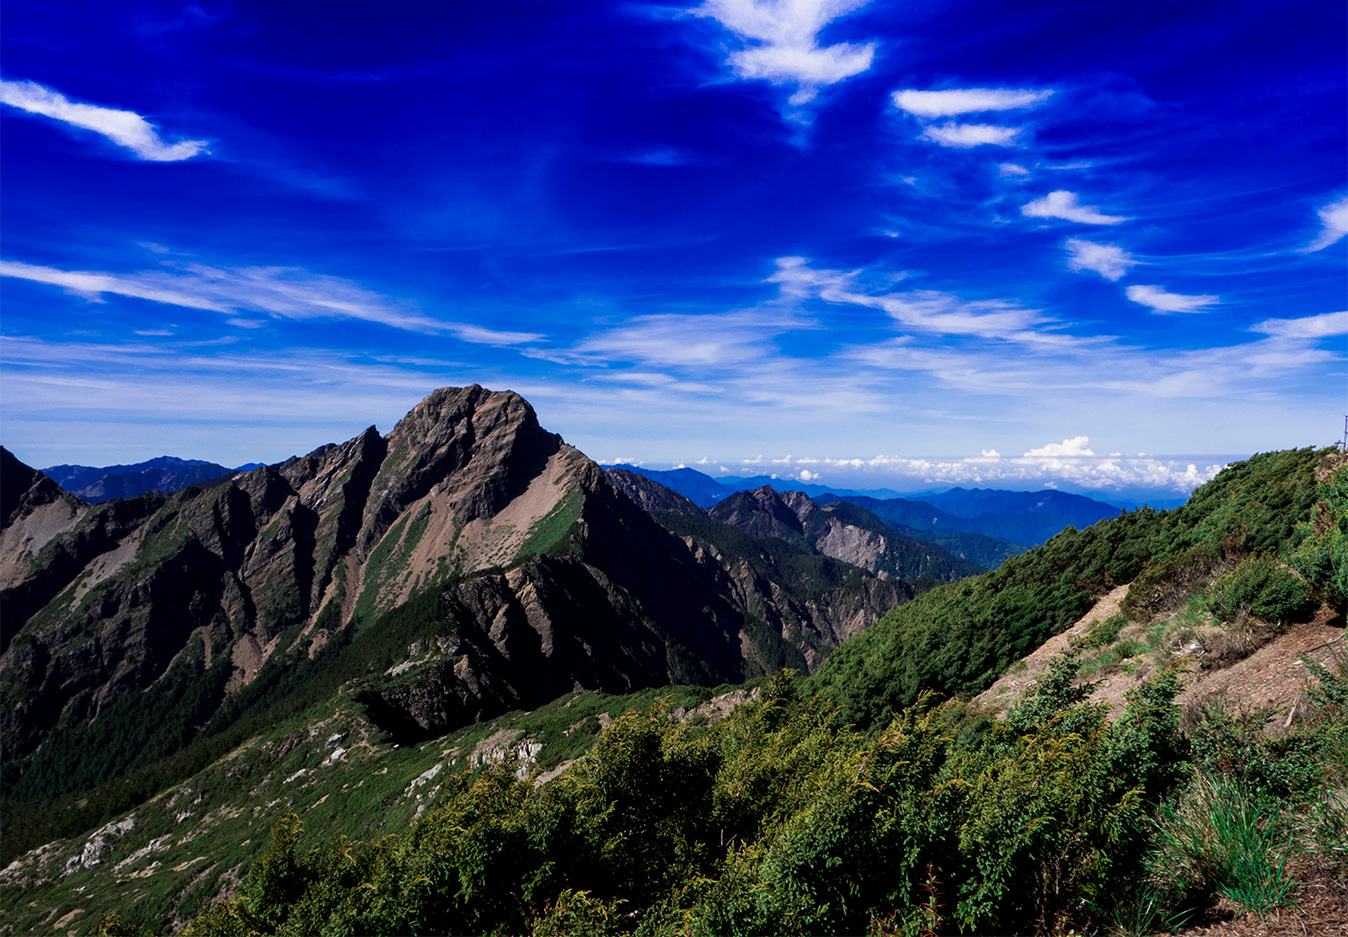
(1271, 679)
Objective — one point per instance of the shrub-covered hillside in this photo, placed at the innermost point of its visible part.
(859, 802)
(873, 797)
(778, 821)
(1277, 515)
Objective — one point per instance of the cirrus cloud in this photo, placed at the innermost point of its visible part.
(1306, 328)
(125, 128)
(967, 135)
(1161, 301)
(1108, 260)
(785, 42)
(1334, 225)
(275, 292)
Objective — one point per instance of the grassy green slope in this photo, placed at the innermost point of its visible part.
(214, 822)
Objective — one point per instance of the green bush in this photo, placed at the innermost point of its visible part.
(1321, 553)
(1104, 633)
(775, 820)
(1166, 583)
(1264, 588)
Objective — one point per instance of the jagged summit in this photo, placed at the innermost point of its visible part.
(506, 556)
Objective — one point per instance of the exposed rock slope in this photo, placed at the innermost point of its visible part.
(465, 563)
(650, 494)
(840, 530)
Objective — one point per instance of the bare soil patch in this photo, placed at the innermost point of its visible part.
(1008, 687)
(1260, 671)
(1320, 908)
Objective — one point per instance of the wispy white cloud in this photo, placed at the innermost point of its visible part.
(279, 292)
(1063, 204)
(1334, 225)
(925, 311)
(125, 128)
(1013, 171)
(955, 101)
(784, 42)
(1108, 260)
(967, 135)
(92, 285)
(948, 314)
(730, 340)
(218, 402)
(1307, 328)
(1161, 301)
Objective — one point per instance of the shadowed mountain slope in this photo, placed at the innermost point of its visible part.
(467, 563)
(840, 530)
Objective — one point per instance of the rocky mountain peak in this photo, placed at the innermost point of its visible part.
(23, 489)
(468, 529)
(766, 512)
(483, 446)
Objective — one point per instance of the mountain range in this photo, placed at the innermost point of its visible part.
(467, 563)
(1015, 518)
(95, 484)
(982, 525)
(388, 649)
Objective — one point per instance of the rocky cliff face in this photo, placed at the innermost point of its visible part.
(465, 563)
(839, 530)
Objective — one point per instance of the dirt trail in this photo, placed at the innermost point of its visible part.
(1009, 686)
(1271, 679)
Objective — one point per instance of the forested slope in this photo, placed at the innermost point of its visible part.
(858, 800)
(960, 638)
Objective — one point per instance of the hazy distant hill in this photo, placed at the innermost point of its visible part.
(95, 484)
(1013, 519)
(984, 502)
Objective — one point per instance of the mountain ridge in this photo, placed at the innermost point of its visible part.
(815, 767)
(1024, 519)
(469, 531)
(167, 474)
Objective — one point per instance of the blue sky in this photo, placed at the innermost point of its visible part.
(1101, 245)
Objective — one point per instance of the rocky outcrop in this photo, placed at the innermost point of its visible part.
(516, 568)
(839, 530)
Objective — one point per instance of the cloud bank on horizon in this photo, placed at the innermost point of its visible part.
(730, 227)
(1070, 464)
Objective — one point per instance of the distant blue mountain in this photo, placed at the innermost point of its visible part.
(704, 490)
(167, 473)
(697, 487)
(981, 502)
(1014, 520)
